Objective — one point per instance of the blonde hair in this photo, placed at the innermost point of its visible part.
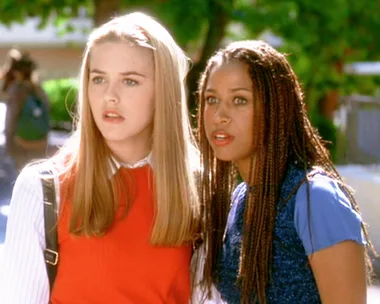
(87, 155)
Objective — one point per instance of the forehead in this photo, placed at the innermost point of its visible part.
(232, 73)
(121, 56)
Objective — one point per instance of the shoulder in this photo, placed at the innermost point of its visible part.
(28, 195)
(322, 189)
(239, 191)
(324, 214)
(28, 182)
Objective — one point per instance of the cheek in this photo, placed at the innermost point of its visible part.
(248, 128)
(93, 95)
(207, 117)
(145, 110)
(143, 96)
(93, 104)
(150, 112)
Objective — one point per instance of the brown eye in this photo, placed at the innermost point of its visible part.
(240, 101)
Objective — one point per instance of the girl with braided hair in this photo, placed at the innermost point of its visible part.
(292, 232)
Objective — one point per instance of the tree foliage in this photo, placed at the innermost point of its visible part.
(197, 25)
(319, 36)
(61, 11)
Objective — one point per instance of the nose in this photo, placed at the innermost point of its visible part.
(111, 94)
(221, 115)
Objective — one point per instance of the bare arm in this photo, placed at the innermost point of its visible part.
(340, 273)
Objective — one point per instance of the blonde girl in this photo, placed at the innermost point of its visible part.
(128, 204)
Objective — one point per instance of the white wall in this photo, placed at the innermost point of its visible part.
(365, 180)
(29, 34)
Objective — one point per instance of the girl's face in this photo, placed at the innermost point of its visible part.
(121, 96)
(229, 112)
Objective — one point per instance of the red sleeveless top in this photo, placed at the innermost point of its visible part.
(121, 266)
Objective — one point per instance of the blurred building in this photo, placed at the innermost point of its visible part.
(57, 55)
(358, 119)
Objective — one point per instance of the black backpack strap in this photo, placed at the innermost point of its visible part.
(51, 223)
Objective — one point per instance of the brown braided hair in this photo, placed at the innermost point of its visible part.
(285, 136)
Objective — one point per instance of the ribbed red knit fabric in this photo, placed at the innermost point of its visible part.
(122, 267)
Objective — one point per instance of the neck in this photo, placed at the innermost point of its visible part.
(129, 154)
(244, 167)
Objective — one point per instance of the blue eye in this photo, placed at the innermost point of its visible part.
(97, 79)
(240, 101)
(211, 100)
(130, 82)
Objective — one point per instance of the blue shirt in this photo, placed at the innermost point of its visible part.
(301, 228)
(332, 218)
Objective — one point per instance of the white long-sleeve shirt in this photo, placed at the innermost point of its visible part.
(23, 277)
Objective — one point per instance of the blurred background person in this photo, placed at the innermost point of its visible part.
(27, 115)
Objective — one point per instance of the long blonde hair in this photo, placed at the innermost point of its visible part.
(87, 156)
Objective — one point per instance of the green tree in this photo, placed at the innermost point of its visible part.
(197, 25)
(320, 37)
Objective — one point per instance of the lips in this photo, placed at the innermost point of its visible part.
(112, 116)
(221, 138)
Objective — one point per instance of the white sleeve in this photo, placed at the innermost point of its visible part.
(23, 277)
(199, 290)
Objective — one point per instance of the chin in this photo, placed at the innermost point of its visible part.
(114, 139)
(111, 137)
(224, 157)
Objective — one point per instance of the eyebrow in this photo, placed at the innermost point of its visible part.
(128, 73)
(232, 90)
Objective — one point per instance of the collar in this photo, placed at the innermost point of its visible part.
(115, 165)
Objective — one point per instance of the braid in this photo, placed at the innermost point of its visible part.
(216, 183)
(285, 135)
